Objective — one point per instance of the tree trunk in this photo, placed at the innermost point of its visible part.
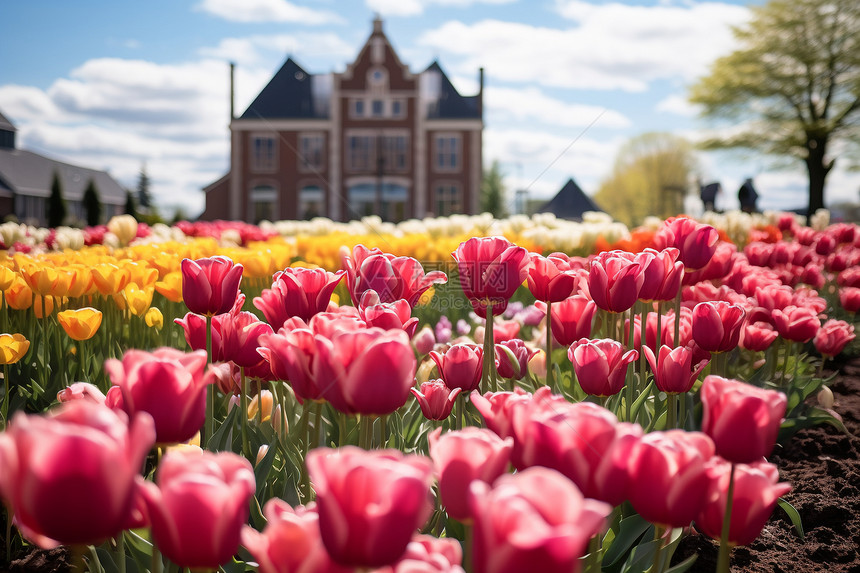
(818, 170)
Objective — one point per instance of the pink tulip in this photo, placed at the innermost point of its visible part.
(210, 286)
(297, 292)
(552, 278)
(742, 420)
(571, 319)
(757, 336)
(370, 503)
(497, 408)
(427, 554)
(81, 391)
(240, 334)
(291, 541)
(368, 371)
(720, 265)
(674, 371)
(69, 476)
(460, 366)
(795, 323)
(504, 330)
(600, 365)
(199, 506)
(696, 242)
(717, 325)
(534, 520)
(833, 336)
(662, 273)
(168, 384)
(395, 315)
(436, 399)
(512, 358)
(391, 277)
(583, 441)
(424, 341)
(463, 456)
(756, 491)
(849, 298)
(614, 281)
(668, 473)
(490, 271)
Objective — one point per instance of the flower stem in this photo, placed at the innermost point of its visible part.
(243, 415)
(677, 333)
(120, 552)
(659, 532)
(549, 373)
(318, 423)
(724, 556)
(629, 373)
(671, 408)
(488, 376)
(209, 424)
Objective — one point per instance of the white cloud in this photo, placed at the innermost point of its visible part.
(267, 11)
(530, 105)
(260, 50)
(416, 7)
(607, 46)
(678, 105)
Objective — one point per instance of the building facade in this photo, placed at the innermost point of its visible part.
(375, 139)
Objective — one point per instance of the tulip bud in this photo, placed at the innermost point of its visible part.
(424, 371)
(825, 398)
(424, 340)
(124, 227)
(261, 453)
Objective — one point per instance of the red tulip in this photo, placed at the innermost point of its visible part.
(600, 365)
(720, 265)
(674, 371)
(490, 271)
(833, 336)
(696, 242)
(69, 476)
(388, 316)
(667, 330)
(552, 278)
(370, 503)
(368, 371)
(168, 384)
(460, 366)
(742, 420)
(795, 323)
(297, 292)
(391, 277)
(210, 286)
(199, 505)
(240, 334)
(717, 325)
(614, 281)
(668, 473)
(436, 399)
(849, 298)
(504, 330)
(757, 336)
(756, 491)
(534, 520)
(662, 274)
(571, 319)
(291, 541)
(463, 456)
(517, 350)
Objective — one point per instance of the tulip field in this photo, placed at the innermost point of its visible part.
(450, 395)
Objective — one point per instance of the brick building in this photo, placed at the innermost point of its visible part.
(374, 139)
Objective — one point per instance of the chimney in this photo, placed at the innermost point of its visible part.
(232, 90)
(481, 92)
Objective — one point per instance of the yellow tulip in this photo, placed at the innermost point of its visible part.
(138, 299)
(46, 280)
(171, 287)
(154, 318)
(141, 273)
(83, 283)
(110, 279)
(13, 347)
(80, 324)
(49, 306)
(19, 296)
(7, 276)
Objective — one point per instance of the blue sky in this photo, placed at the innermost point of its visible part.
(112, 85)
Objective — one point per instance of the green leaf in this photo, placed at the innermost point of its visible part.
(220, 440)
(264, 467)
(683, 565)
(641, 557)
(630, 531)
(637, 403)
(793, 515)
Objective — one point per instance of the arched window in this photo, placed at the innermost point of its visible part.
(387, 200)
(311, 202)
(264, 203)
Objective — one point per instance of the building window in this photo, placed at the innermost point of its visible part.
(397, 108)
(447, 152)
(264, 202)
(377, 108)
(447, 200)
(384, 199)
(311, 202)
(263, 149)
(394, 153)
(311, 152)
(358, 108)
(360, 155)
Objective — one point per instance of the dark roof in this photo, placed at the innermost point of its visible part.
(451, 105)
(287, 95)
(5, 124)
(569, 203)
(28, 173)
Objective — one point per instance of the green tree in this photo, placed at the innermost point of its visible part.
(92, 204)
(793, 87)
(651, 176)
(493, 192)
(130, 205)
(144, 195)
(56, 203)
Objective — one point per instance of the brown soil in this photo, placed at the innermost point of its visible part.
(823, 466)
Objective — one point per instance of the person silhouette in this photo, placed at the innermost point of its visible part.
(748, 196)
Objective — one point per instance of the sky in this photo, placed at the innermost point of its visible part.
(117, 85)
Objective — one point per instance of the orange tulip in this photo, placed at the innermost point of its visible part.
(83, 284)
(13, 347)
(19, 296)
(110, 279)
(80, 324)
(141, 273)
(7, 276)
(49, 306)
(46, 280)
(171, 287)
